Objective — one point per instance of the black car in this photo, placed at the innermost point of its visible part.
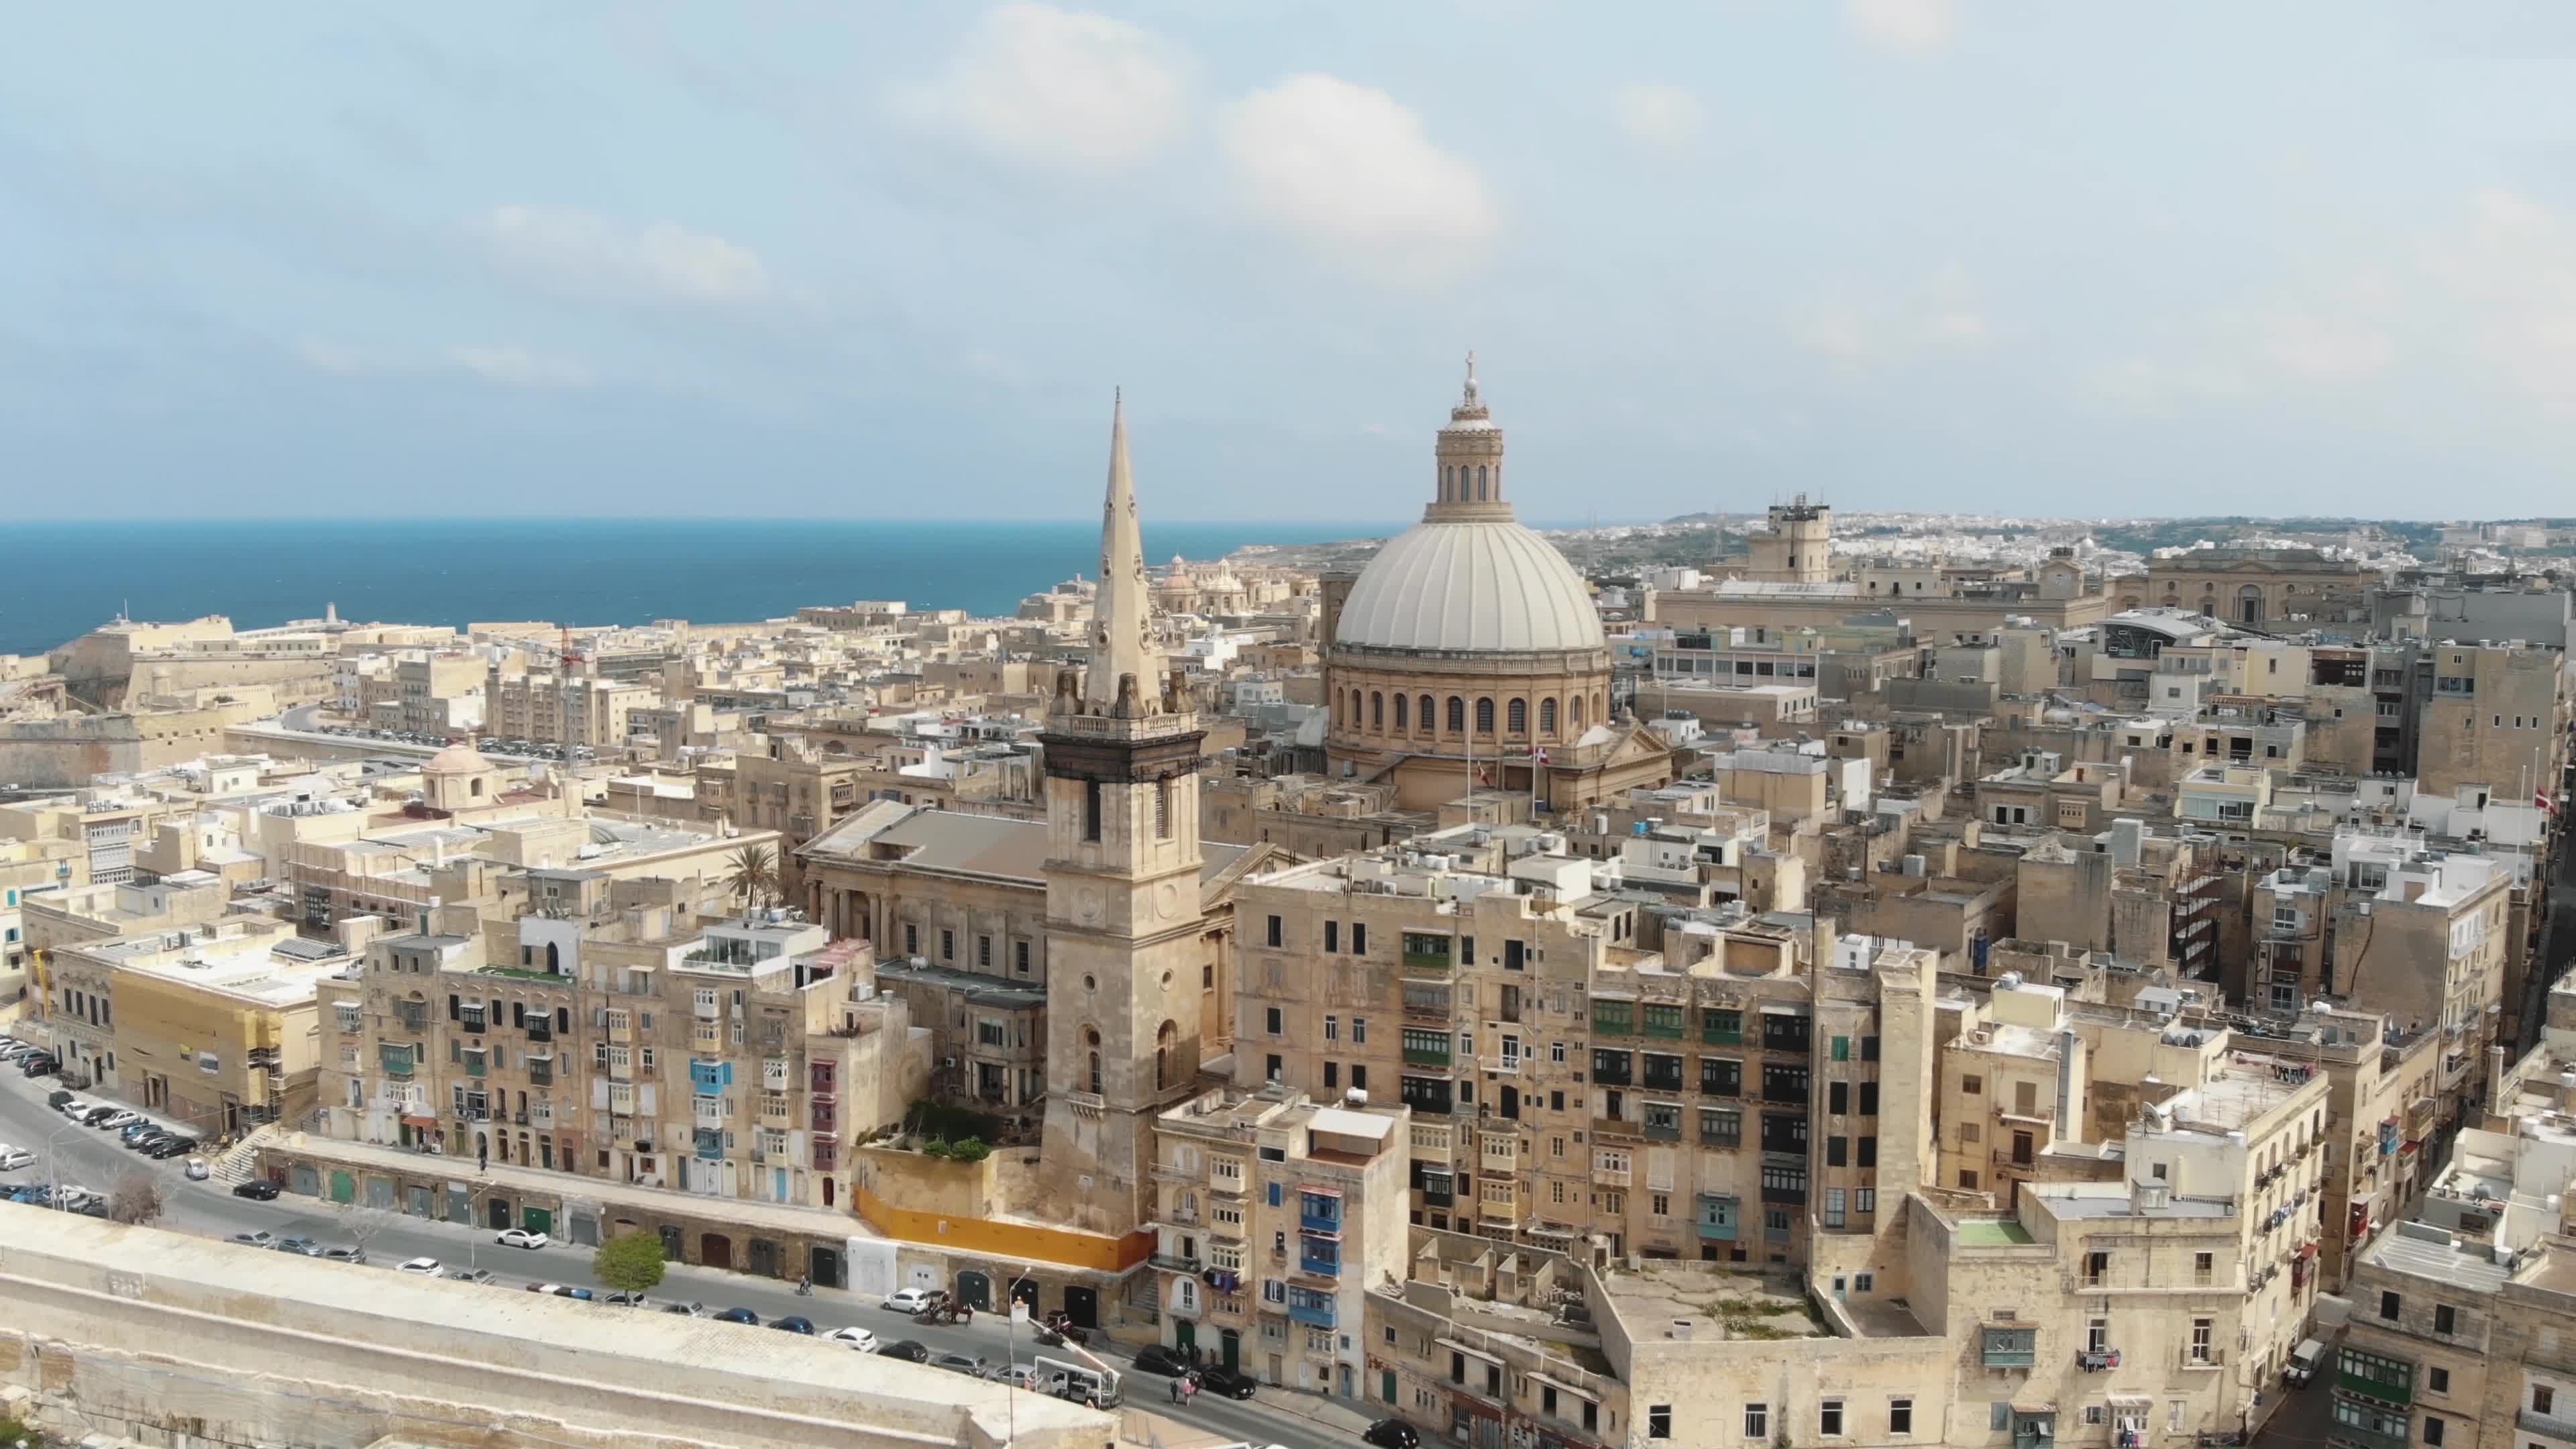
(738, 1315)
(1156, 1359)
(258, 1189)
(804, 1326)
(35, 1064)
(56, 1098)
(1226, 1383)
(910, 1350)
(1391, 1434)
(168, 1147)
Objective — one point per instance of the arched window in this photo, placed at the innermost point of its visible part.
(1516, 716)
(1547, 716)
(554, 960)
(1457, 715)
(1480, 482)
(476, 787)
(1377, 710)
(1422, 717)
(1399, 713)
(1601, 708)
(1484, 716)
(1576, 704)
(1448, 479)
(1091, 1039)
(1167, 1043)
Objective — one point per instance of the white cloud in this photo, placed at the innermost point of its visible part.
(1862, 332)
(1059, 89)
(1351, 170)
(517, 367)
(1658, 114)
(323, 355)
(2507, 280)
(2324, 348)
(1914, 27)
(658, 261)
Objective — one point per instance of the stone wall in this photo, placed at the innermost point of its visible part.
(151, 1334)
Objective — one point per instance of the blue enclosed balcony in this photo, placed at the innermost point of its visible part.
(1320, 1258)
(1318, 1211)
(1317, 1309)
(710, 1145)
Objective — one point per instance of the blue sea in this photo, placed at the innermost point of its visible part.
(60, 580)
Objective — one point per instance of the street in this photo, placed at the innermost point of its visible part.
(72, 1154)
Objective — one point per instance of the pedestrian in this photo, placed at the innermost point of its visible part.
(1190, 1389)
(1176, 1391)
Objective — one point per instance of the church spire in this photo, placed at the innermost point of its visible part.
(1468, 459)
(1122, 677)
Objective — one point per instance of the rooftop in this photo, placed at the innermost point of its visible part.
(2422, 1250)
(1720, 1301)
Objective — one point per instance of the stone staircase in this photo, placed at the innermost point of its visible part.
(241, 1160)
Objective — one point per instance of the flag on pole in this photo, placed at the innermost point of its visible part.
(2541, 799)
(1538, 756)
(1484, 774)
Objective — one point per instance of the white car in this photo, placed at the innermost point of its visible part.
(520, 1238)
(197, 1169)
(73, 1107)
(425, 1267)
(855, 1338)
(13, 1158)
(913, 1300)
(120, 1120)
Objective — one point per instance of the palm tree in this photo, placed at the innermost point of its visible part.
(754, 874)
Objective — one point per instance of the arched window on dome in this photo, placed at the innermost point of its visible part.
(1484, 716)
(1457, 715)
(1399, 714)
(1377, 710)
(1576, 704)
(1448, 480)
(1547, 716)
(1516, 716)
(1422, 717)
(1480, 482)
(1601, 708)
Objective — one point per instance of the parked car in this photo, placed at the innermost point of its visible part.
(36, 1064)
(13, 1158)
(343, 1255)
(562, 1290)
(197, 1170)
(304, 1246)
(35, 1194)
(260, 1239)
(521, 1238)
(98, 1116)
(855, 1338)
(259, 1189)
(1018, 1376)
(909, 1350)
(793, 1324)
(913, 1300)
(169, 1147)
(459, 1275)
(1391, 1434)
(686, 1310)
(1226, 1383)
(627, 1300)
(69, 1105)
(738, 1315)
(968, 1364)
(1154, 1358)
(139, 1127)
(425, 1267)
(58, 1099)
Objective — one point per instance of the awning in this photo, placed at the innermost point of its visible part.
(414, 1119)
(1472, 1352)
(1319, 1191)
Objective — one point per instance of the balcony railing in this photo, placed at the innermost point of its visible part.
(1611, 1176)
(1319, 1267)
(2547, 1425)
(1318, 1313)
(1423, 1056)
(1175, 1263)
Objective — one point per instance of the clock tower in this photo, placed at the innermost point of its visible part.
(1124, 921)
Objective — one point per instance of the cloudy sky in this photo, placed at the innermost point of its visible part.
(890, 258)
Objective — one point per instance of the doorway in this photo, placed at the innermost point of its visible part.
(1025, 1290)
(715, 1250)
(1082, 1305)
(1185, 1334)
(764, 1258)
(498, 1211)
(672, 1252)
(826, 1268)
(975, 1290)
(1229, 1347)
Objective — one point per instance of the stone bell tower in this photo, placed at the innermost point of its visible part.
(1124, 920)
